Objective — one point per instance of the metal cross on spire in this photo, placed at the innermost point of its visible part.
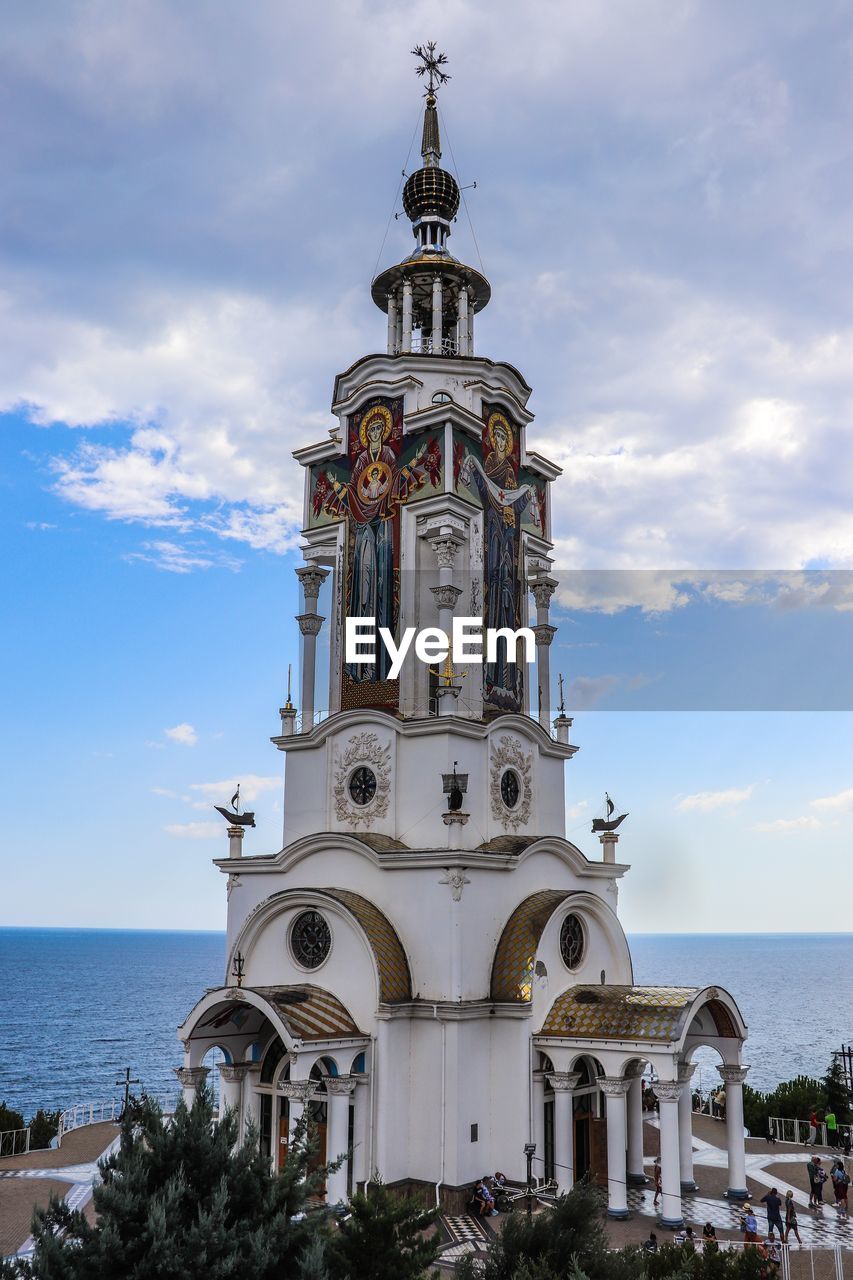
(430, 64)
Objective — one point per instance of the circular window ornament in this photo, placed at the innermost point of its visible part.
(510, 788)
(310, 939)
(572, 941)
(362, 785)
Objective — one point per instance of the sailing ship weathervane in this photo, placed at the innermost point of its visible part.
(233, 815)
(609, 823)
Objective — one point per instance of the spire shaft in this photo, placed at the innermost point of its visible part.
(431, 140)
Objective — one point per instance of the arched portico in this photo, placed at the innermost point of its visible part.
(625, 1028)
(292, 1049)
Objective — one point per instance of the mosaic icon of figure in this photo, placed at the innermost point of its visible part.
(379, 484)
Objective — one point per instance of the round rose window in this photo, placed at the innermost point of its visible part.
(362, 785)
(572, 942)
(310, 939)
(509, 788)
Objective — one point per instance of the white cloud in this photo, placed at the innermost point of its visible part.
(252, 786)
(172, 557)
(185, 734)
(195, 830)
(842, 801)
(706, 801)
(784, 826)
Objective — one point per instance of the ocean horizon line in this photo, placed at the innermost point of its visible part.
(631, 933)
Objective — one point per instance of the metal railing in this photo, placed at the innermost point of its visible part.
(798, 1262)
(14, 1142)
(421, 346)
(798, 1132)
(100, 1112)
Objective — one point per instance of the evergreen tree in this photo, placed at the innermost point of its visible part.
(44, 1126)
(836, 1092)
(384, 1238)
(179, 1200)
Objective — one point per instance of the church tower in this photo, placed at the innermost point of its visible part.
(428, 965)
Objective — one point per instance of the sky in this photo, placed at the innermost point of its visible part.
(195, 197)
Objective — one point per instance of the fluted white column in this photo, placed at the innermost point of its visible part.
(436, 315)
(685, 1127)
(338, 1089)
(668, 1092)
(298, 1093)
(734, 1078)
(462, 314)
(361, 1130)
(564, 1083)
(407, 315)
(635, 1132)
(614, 1089)
(538, 1135)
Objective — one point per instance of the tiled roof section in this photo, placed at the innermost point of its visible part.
(620, 1013)
(379, 843)
(515, 954)
(395, 979)
(310, 1013)
(506, 844)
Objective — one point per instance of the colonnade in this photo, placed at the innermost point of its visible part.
(624, 1112)
(401, 321)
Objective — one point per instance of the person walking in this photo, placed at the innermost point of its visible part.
(773, 1202)
(791, 1219)
(811, 1169)
(658, 1180)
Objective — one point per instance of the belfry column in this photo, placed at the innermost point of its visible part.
(462, 315)
(563, 1083)
(733, 1077)
(470, 327)
(636, 1176)
(191, 1079)
(338, 1089)
(685, 1127)
(312, 578)
(407, 316)
(436, 316)
(542, 590)
(614, 1089)
(392, 323)
(668, 1092)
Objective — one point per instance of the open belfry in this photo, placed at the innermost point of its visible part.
(427, 965)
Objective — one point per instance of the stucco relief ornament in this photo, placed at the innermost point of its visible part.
(509, 755)
(362, 749)
(457, 880)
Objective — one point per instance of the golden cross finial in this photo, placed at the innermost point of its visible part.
(446, 675)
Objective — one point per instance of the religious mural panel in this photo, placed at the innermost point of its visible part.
(512, 500)
(379, 474)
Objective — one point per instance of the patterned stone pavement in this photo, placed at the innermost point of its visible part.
(80, 1176)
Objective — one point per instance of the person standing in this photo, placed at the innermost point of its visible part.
(791, 1219)
(774, 1216)
(819, 1180)
(658, 1180)
(811, 1140)
(831, 1123)
(750, 1225)
(840, 1183)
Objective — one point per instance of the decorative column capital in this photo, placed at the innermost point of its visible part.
(544, 633)
(445, 546)
(191, 1077)
(312, 577)
(234, 1072)
(310, 623)
(542, 589)
(667, 1090)
(685, 1071)
(613, 1086)
(563, 1081)
(298, 1090)
(446, 597)
(733, 1075)
(340, 1086)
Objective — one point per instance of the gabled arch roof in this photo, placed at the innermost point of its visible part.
(660, 1014)
(301, 1011)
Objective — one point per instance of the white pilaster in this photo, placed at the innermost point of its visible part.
(614, 1089)
(538, 1134)
(563, 1083)
(685, 1127)
(668, 1093)
(361, 1170)
(734, 1078)
(338, 1089)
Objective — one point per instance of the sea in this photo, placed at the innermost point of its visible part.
(79, 1006)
